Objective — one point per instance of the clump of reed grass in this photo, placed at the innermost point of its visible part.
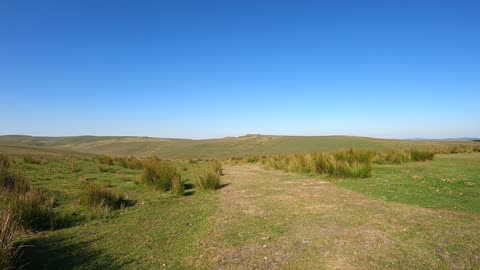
(32, 160)
(421, 155)
(393, 156)
(33, 208)
(177, 186)
(208, 177)
(8, 233)
(217, 166)
(106, 160)
(354, 169)
(159, 174)
(102, 168)
(98, 197)
(130, 163)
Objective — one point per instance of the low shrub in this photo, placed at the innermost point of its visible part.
(159, 174)
(96, 196)
(207, 178)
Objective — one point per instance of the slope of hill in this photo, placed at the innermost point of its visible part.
(211, 148)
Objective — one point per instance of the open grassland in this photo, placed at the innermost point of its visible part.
(129, 213)
(214, 148)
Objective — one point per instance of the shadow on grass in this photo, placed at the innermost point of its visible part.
(224, 185)
(65, 253)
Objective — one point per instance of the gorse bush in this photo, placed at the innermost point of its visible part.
(8, 229)
(208, 177)
(96, 196)
(159, 174)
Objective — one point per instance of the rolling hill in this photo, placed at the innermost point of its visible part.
(211, 148)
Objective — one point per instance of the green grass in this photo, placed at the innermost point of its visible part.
(448, 182)
(294, 221)
(174, 226)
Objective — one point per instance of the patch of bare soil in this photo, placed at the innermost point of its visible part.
(274, 220)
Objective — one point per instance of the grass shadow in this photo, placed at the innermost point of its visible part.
(224, 185)
(65, 253)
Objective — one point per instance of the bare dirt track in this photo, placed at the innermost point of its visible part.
(274, 220)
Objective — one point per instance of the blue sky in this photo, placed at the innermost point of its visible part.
(203, 69)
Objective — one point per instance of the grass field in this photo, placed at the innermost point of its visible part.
(213, 148)
(416, 215)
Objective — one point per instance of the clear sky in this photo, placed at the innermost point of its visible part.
(203, 69)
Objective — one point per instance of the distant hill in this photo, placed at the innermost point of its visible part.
(211, 148)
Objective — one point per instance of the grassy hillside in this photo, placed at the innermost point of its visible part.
(212, 148)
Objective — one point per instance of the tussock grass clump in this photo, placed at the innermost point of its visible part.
(159, 174)
(106, 160)
(102, 168)
(322, 162)
(208, 178)
(351, 155)
(32, 160)
(421, 155)
(96, 196)
(130, 163)
(253, 159)
(355, 169)
(8, 229)
(217, 165)
(177, 186)
(33, 208)
(13, 181)
(393, 156)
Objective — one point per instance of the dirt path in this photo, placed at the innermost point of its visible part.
(274, 220)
